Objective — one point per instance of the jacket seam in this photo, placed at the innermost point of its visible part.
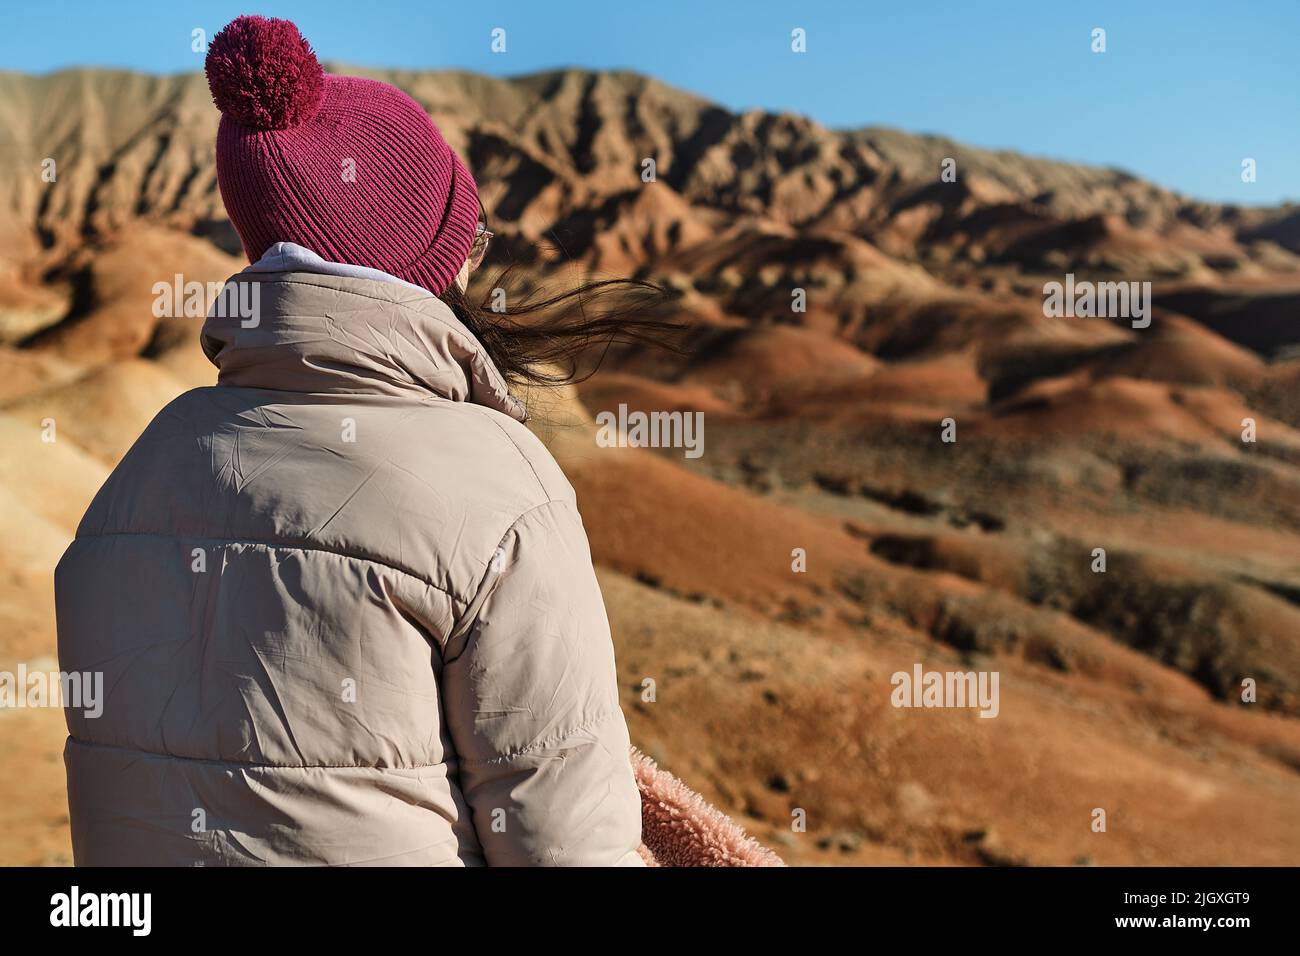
(541, 744)
(520, 452)
(525, 514)
(250, 765)
(352, 555)
(459, 625)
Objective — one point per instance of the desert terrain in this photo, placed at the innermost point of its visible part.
(824, 431)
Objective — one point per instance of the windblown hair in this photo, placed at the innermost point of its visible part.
(551, 339)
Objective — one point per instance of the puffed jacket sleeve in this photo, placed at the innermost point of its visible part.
(530, 698)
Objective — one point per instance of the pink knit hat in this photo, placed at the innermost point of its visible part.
(350, 168)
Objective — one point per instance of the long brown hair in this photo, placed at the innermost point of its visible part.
(535, 337)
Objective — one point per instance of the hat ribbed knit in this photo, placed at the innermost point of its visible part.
(351, 168)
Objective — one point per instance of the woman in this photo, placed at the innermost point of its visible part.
(343, 600)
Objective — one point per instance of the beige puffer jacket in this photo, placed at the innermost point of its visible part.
(345, 611)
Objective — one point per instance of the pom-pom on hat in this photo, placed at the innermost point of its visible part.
(351, 168)
(264, 75)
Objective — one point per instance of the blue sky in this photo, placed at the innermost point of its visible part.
(1184, 91)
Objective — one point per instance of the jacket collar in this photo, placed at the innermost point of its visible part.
(293, 324)
(291, 257)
